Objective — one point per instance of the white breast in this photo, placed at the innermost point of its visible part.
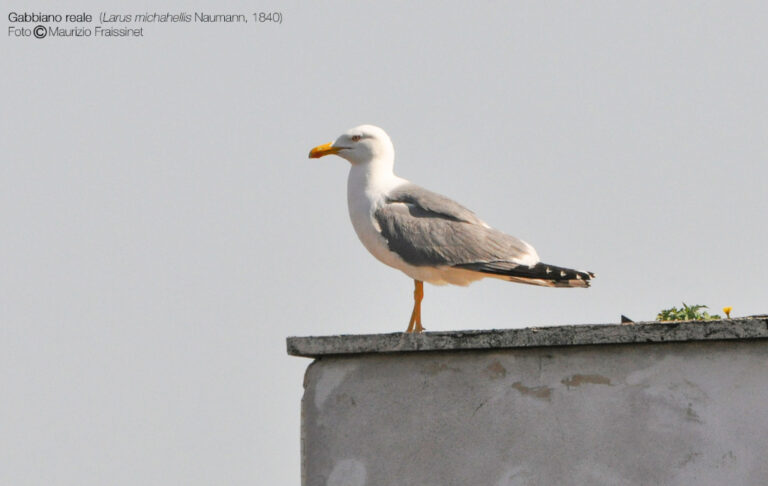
(364, 195)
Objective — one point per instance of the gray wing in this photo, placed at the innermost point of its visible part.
(427, 229)
(433, 202)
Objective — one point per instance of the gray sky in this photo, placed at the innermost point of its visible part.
(164, 231)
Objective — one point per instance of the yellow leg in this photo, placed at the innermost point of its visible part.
(418, 294)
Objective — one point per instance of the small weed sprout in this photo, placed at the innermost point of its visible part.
(686, 313)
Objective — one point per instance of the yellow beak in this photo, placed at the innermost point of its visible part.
(322, 150)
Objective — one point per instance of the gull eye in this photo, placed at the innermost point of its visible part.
(356, 138)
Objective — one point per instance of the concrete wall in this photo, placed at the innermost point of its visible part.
(684, 413)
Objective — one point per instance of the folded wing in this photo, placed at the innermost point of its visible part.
(427, 229)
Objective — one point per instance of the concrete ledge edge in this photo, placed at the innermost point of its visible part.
(571, 335)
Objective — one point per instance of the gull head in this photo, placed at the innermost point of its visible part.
(359, 145)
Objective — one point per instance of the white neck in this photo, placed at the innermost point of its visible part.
(372, 180)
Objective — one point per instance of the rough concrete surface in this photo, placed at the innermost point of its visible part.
(645, 332)
(655, 414)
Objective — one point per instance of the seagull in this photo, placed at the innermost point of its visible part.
(427, 236)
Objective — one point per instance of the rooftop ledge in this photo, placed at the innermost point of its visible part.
(755, 327)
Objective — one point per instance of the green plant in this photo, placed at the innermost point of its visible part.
(686, 313)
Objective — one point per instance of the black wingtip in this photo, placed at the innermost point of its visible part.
(538, 274)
